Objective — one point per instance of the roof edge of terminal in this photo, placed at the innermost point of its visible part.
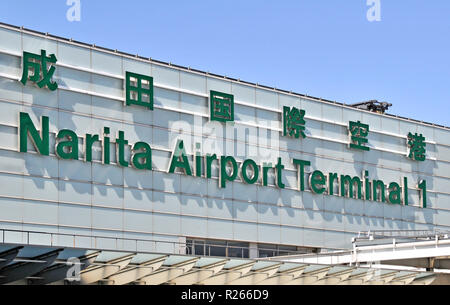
(189, 69)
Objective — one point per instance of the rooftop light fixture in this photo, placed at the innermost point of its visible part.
(373, 105)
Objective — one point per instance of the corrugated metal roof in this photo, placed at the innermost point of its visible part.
(121, 268)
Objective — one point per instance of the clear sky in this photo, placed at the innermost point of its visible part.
(323, 48)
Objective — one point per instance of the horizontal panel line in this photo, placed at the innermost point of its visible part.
(206, 197)
(204, 95)
(98, 162)
(207, 75)
(291, 170)
(226, 140)
(165, 172)
(241, 220)
(129, 239)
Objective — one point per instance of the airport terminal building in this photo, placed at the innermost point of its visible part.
(151, 173)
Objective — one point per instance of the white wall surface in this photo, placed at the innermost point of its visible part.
(46, 194)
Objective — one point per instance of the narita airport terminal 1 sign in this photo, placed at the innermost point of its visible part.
(67, 143)
(38, 68)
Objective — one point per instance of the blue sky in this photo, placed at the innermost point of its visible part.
(324, 48)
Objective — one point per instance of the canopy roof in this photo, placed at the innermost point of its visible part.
(23, 264)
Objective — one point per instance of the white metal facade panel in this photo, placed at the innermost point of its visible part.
(48, 194)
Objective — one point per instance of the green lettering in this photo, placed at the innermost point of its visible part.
(423, 193)
(198, 162)
(366, 185)
(106, 146)
(279, 175)
(317, 182)
(395, 193)
(379, 185)
(405, 191)
(39, 140)
(331, 178)
(145, 156)
(67, 150)
(266, 167)
(180, 153)
(121, 142)
(255, 168)
(351, 182)
(224, 176)
(301, 172)
(209, 159)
